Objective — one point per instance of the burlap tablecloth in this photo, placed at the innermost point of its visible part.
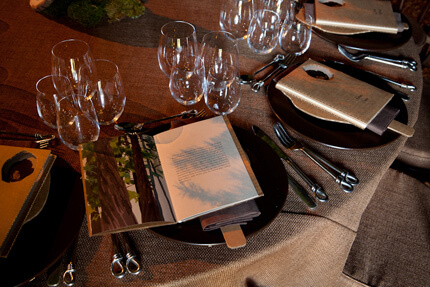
(300, 248)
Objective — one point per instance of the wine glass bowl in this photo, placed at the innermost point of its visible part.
(68, 56)
(178, 38)
(49, 90)
(102, 83)
(219, 48)
(187, 80)
(223, 89)
(76, 121)
(235, 17)
(296, 36)
(263, 31)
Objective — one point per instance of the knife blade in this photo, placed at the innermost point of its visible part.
(298, 189)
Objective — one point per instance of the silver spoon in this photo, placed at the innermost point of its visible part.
(249, 79)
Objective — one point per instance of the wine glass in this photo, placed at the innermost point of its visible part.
(278, 6)
(67, 57)
(102, 83)
(187, 79)
(296, 36)
(223, 88)
(263, 31)
(178, 39)
(76, 121)
(236, 16)
(49, 90)
(219, 47)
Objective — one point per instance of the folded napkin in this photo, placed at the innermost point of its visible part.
(353, 17)
(338, 97)
(236, 215)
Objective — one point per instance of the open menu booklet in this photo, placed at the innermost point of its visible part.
(141, 181)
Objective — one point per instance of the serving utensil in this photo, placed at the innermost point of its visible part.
(129, 127)
(401, 63)
(316, 189)
(346, 180)
(289, 59)
(248, 79)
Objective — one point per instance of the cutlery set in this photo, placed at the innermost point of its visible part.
(42, 140)
(129, 127)
(345, 179)
(131, 265)
(401, 63)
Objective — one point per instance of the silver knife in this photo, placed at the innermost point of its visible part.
(300, 191)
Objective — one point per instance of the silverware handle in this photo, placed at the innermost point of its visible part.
(190, 112)
(277, 58)
(318, 191)
(132, 264)
(118, 268)
(405, 64)
(324, 164)
(69, 275)
(349, 178)
(257, 86)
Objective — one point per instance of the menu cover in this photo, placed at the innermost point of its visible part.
(356, 15)
(142, 181)
(24, 172)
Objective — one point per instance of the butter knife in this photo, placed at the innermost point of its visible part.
(298, 189)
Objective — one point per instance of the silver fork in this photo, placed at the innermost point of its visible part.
(346, 180)
(289, 59)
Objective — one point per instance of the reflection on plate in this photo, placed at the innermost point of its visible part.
(333, 134)
(40, 200)
(44, 239)
(369, 41)
(271, 176)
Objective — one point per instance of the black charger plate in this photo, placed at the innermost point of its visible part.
(271, 176)
(46, 238)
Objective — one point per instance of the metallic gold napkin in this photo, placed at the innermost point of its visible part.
(335, 96)
(367, 15)
(353, 19)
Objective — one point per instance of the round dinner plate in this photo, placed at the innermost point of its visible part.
(337, 135)
(369, 42)
(44, 239)
(271, 176)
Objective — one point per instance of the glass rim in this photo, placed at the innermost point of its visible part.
(94, 62)
(229, 35)
(180, 22)
(50, 76)
(69, 41)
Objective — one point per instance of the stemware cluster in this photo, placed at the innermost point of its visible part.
(211, 72)
(81, 93)
(265, 23)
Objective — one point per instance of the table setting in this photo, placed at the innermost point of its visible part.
(317, 169)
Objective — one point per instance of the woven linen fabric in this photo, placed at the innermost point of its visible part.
(392, 247)
(301, 247)
(416, 151)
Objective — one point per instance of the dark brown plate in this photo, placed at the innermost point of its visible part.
(369, 42)
(271, 176)
(44, 239)
(338, 135)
